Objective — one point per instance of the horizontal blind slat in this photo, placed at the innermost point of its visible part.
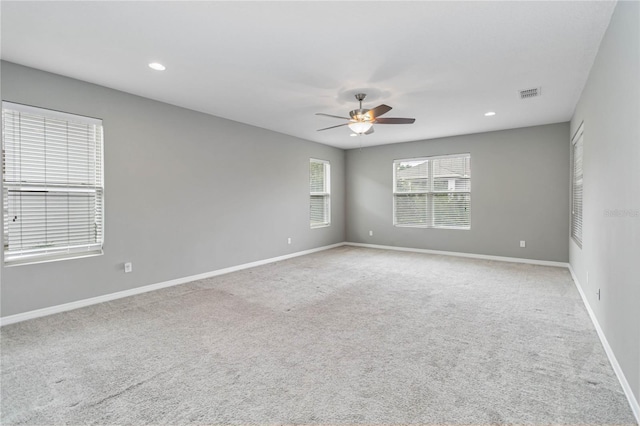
(577, 190)
(433, 192)
(53, 183)
(319, 192)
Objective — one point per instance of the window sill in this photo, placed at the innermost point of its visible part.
(323, 225)
(33, 261)
(455, 228)
(576, 242)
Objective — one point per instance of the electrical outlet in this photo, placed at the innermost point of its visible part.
(371, 233)
(523, 243)
(289, 240)
(128, 267)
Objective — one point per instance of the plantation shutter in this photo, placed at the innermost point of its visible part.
(433, 192)
(52, 184)
(577, 189)
(319, 190)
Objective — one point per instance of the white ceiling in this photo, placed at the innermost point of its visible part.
(275, 64)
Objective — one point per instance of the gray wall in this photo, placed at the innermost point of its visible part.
(519, 192)
(185, 193)
(610, 109)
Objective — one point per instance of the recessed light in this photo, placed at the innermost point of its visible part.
(353, 134)
(157, 66)
(489, 114)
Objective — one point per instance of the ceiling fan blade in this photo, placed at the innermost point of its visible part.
(332, 127)
(334, 116)
(395, 120)
(378, 111)
(368, 132)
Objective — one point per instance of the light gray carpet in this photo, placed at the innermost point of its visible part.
(346, 336)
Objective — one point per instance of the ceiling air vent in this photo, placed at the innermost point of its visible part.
(530, 93)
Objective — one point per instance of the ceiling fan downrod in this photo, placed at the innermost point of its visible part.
(359, 114)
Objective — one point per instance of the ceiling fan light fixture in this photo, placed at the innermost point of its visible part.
(360, 127)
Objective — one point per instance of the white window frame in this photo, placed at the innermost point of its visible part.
(577, 185)
(428, 193)
(326, 194)
(23, 252)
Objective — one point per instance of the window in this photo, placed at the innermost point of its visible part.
(432, 192)
(576, 187)
(52, 184)
(319, 190)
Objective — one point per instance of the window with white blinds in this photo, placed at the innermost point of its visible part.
(576, 187)
(432, 192)
(52, 171)
(320, 193)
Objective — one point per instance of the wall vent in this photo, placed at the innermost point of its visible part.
(530, 93)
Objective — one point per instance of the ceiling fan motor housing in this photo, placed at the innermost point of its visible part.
(360, 114)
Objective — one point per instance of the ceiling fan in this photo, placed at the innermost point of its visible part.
(362, 120)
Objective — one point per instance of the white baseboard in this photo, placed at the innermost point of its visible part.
(633, 402)
(460, 254)
(635, 407)
(11, 319)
